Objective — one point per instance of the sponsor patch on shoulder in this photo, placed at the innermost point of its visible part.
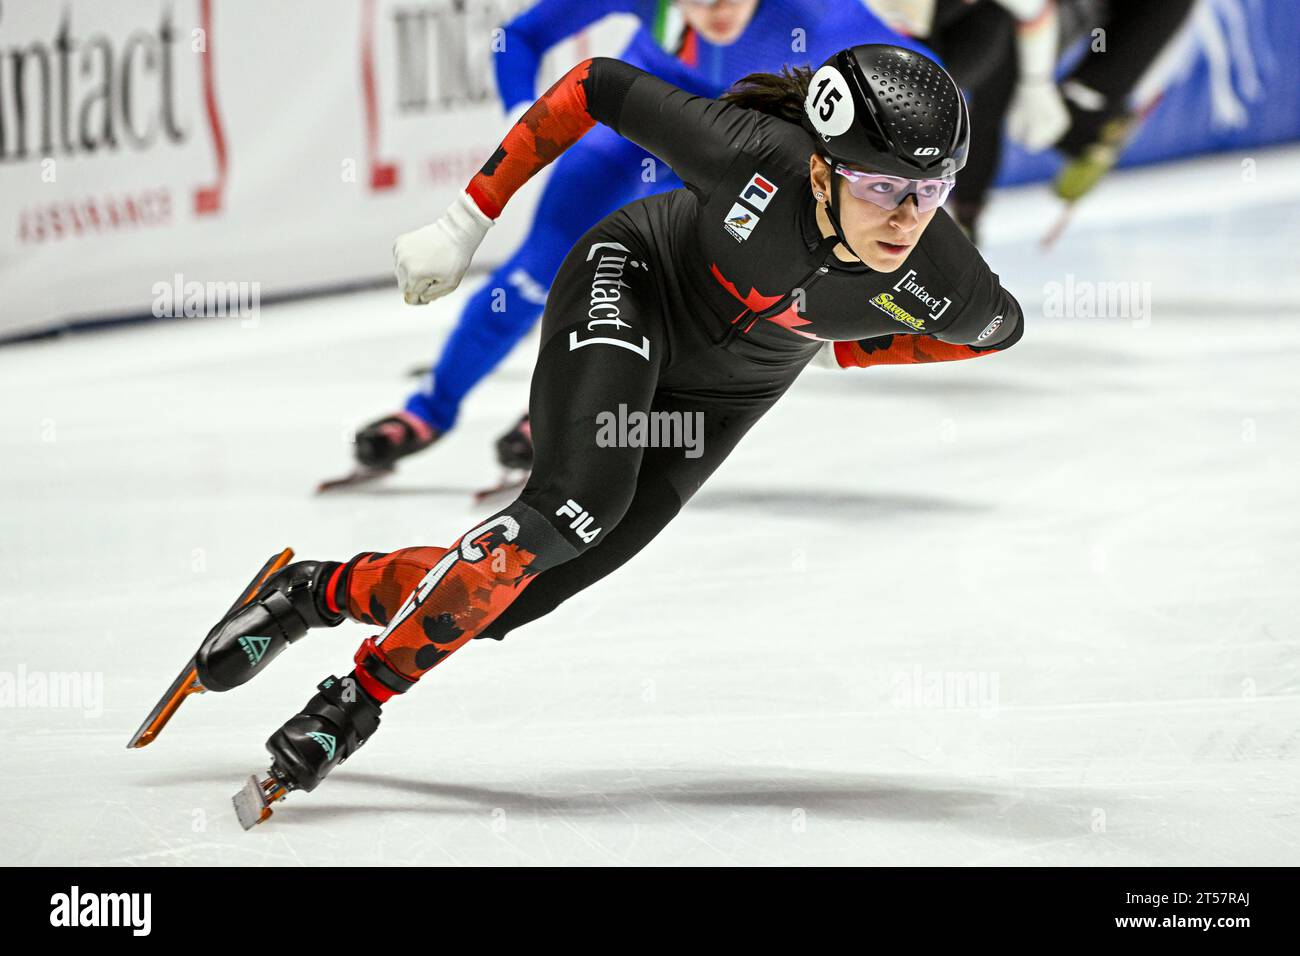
(740, 222)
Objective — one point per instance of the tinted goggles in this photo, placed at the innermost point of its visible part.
(888, 192)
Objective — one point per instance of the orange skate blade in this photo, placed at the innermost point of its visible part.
(187, 682)
(268, 569)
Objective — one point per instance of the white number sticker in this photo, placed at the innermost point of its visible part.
(829, 104)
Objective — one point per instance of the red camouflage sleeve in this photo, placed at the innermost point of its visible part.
(901, 350)
(549, 127)
(695, 136)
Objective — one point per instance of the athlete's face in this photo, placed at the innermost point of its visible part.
(882, 238)
(719, 21)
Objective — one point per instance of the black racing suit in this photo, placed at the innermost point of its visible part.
(704, 304)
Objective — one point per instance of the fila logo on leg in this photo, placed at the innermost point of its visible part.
(582, 521)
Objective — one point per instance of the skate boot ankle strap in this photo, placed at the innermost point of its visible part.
(285, 616)
(309, 592)
(297, 600)
(348, 707)
(329, 729)
(372, 667)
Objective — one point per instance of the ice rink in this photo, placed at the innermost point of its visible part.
(1039, 608)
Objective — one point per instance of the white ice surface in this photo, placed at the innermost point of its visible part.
(1104, 521)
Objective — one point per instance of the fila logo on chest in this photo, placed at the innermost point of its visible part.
(758, 192)
(743, 216)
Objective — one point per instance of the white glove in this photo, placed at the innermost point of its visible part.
(1038, 116)
(1024, 10)
(430, 262)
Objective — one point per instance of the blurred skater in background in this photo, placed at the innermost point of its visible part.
(1006, 53)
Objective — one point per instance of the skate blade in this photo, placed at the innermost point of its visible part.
(510, 484)
(273, 564)
(1058, 227)
(354, 479)
(253, 801)
(187, 681)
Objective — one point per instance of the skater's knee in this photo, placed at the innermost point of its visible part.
(581, 512)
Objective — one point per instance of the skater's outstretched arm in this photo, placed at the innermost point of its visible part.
(989, 321)
(697, 137)
(903, 350)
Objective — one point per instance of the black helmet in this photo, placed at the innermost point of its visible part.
(889, 110)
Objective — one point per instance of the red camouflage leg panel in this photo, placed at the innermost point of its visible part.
(379, 583)
(452, 599)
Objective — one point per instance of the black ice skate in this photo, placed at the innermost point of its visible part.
(515, 453)
(380, 445)
(284, 608)
(330, 728)
(1091, 149)
(515, 447)
(276, 609)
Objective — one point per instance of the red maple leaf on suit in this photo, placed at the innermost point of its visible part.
(755, 301)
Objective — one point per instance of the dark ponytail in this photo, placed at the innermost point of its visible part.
(776, 94)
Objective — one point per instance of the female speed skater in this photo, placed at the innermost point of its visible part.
(701, 46)
(809, 225)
